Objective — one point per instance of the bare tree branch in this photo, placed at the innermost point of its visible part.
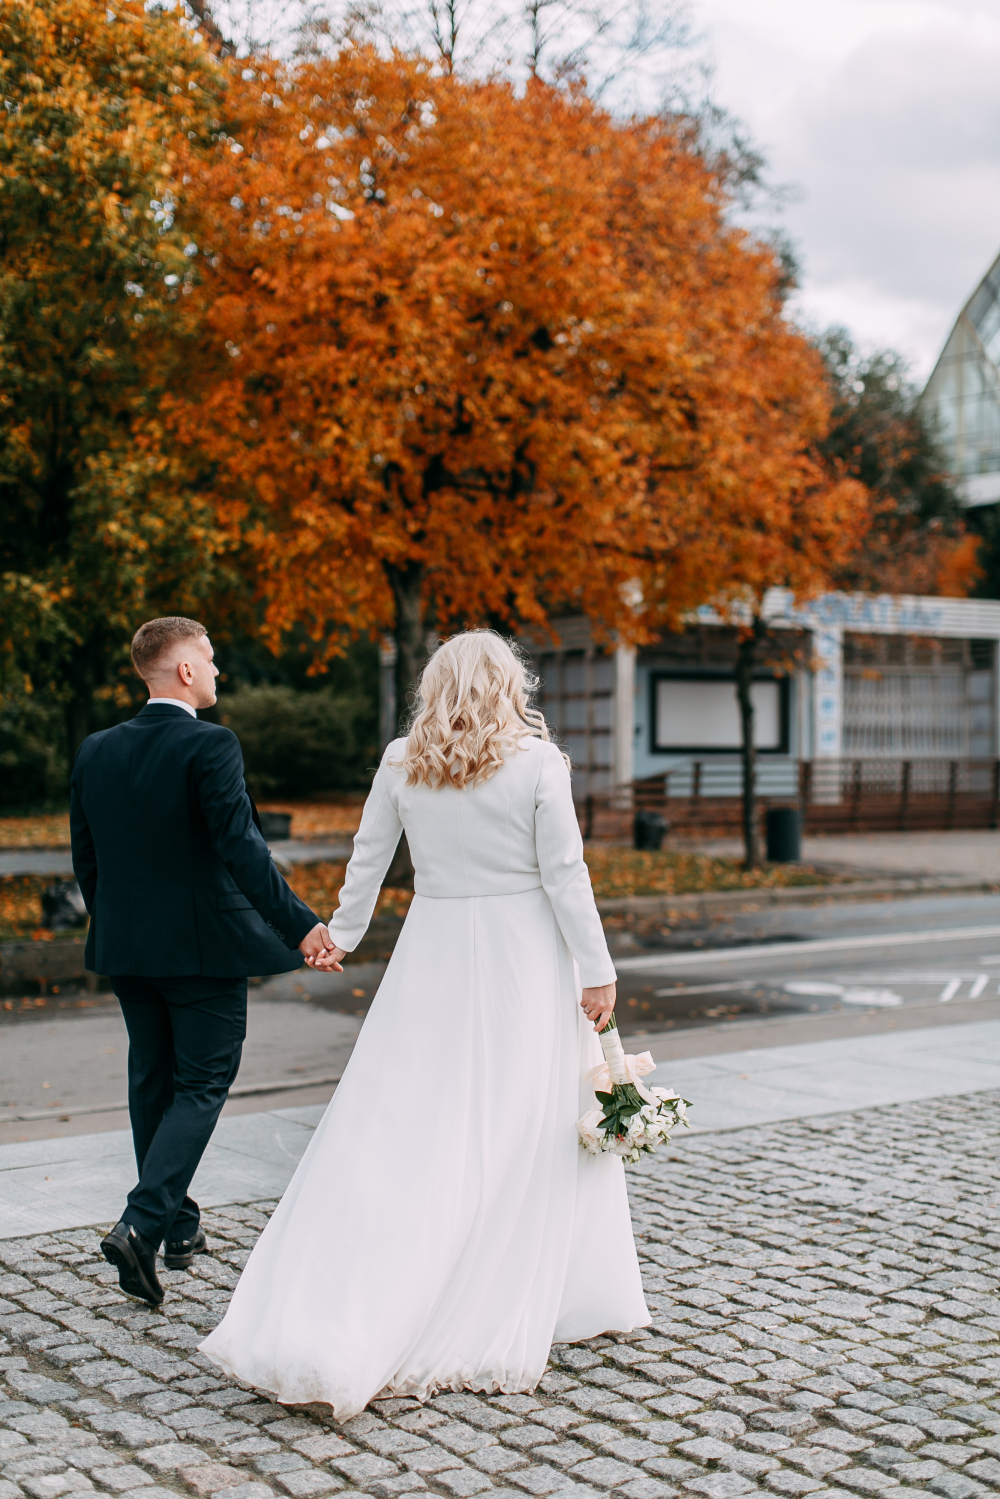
(604, 41)
(209, 25)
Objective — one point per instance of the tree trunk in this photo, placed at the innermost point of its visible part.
(78, 712)
(210, 26)
(405, 583)
(746, 660)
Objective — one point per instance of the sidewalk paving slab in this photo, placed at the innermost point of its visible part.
(770, 1083)
(47, 1185)
(823, 1295)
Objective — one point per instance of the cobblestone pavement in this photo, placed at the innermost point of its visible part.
(824, 1323)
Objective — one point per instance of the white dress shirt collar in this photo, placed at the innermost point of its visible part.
(171, 702)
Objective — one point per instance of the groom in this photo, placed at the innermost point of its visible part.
(184, 902)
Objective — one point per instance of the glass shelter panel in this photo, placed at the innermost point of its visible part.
(918, 697)
(576, 696)
(962, 396)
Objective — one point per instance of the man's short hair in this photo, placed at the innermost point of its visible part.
(154, 637)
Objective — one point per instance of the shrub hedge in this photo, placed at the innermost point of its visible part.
(297, 743)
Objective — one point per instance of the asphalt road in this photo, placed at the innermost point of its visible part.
(781, 974)
(875, 955)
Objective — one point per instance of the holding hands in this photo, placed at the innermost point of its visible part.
(331, 959)
(320, 951)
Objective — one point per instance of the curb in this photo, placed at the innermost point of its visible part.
(43, 963)
(717, 901)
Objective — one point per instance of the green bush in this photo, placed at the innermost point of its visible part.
(33, 771)
(297, 743)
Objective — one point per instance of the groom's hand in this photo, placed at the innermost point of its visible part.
(319, 944)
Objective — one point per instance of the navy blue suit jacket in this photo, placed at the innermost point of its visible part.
(170, 858)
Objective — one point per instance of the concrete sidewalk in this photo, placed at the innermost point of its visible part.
(974, 853)
(58, 862)
(47, 1185)
(773, 1083)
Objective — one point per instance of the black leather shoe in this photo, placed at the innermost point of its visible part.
(178, 1254)
(135, 1261)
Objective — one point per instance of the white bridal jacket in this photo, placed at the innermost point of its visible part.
(516, 832)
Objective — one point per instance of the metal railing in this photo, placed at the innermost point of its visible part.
(849, 795)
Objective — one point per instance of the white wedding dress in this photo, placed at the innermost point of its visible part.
(444, 1227)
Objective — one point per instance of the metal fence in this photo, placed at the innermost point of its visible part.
(834, 796)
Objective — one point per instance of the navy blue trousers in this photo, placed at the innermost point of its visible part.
(185, 1038)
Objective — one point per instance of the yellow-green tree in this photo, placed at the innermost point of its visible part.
(93, 272)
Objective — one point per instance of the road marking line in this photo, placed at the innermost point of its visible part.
(848, 994)
(729, 988)
(949, 991)
(870, 997)
(907, 978)
(766, 950)
(979, 986)
(813, 987)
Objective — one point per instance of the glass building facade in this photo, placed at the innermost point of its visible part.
(962, 396)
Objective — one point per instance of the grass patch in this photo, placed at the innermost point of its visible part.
(319, 886)
(21, 905)
(48, 830)
(334, 817)
(619, 872)
(614, 872)
(327, 817)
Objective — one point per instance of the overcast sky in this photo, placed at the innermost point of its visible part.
(886, 114)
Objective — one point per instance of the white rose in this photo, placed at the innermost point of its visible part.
(591, 1138)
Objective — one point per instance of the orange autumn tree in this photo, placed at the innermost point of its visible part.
(473, 356)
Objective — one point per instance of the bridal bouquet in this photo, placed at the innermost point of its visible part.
(632, 1119)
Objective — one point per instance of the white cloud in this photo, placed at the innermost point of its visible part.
(887, 114)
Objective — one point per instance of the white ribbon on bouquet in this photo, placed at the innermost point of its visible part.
(618, 1067)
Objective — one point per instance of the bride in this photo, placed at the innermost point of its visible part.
(444, 1227)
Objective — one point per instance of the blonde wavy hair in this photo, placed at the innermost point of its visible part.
(473, 710)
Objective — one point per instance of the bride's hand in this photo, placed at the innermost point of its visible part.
(598, 1003)
(332, 959)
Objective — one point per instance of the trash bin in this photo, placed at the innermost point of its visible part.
(649, 830)
(63, 907)
(276, 825)
(784, 835)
